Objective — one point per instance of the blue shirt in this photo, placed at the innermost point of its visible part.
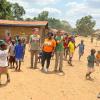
(19, 51)
(81, 47)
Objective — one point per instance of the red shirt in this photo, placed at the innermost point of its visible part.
(66, 42)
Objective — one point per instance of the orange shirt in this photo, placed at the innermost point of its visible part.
(49, 45)
(98, 56)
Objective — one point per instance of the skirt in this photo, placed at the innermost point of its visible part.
(91, 65)
(3, 70)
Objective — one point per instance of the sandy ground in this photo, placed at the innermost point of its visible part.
(36, 85)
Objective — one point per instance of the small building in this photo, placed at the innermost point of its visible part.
(20, 27)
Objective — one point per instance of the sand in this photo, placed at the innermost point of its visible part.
(35, 85)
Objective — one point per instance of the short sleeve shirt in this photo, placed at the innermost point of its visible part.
(59, 46)
(71, 47)
(35, 42)
(19, 51)
(91, 60)
(12, 49)
(49, 45)
(3, 58)
(81, 47)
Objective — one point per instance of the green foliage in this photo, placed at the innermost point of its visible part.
(53, 22)
(28, 19)
(18, 11)
(11, 11)
(58, 24)
(43, 16)
(85, 25)
(5, 10)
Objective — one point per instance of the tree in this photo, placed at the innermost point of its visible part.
(18, 11)
(85, 25)
(5, 10)
(43, 16)
(53, 22)
(11, 11)
(58, 24)
(28, 19)
(66, 26)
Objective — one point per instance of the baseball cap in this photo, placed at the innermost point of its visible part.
(2, 42)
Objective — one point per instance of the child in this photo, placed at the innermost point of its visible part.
(91, 60)
(81, 49)
(98, 58)
(19, 49)
(71, 47)
(24, 45)
(40, 56)
(3, 60)
(66, 46)
(12, 54)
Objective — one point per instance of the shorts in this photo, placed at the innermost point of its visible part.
(3, 70)
(80, 53)
(12, 59)
(18, 59)
(91, 65)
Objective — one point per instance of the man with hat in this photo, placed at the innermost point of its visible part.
(34, 45)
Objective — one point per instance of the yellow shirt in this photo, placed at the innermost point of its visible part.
(71, 46)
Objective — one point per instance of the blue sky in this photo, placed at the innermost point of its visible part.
(69, 10)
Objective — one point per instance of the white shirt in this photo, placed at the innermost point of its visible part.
(3, 58)
(12, 48)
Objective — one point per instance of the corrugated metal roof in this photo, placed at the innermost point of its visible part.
(23, 23)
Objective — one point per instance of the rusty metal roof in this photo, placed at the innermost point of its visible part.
(23, 23)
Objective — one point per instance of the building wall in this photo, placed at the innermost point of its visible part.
(14, 30)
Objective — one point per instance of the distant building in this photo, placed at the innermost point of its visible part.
(22, 27)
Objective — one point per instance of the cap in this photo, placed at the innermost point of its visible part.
(2, 42)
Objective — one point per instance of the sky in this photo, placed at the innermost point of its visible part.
(69, 10)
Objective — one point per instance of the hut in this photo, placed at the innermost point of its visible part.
(20, 27)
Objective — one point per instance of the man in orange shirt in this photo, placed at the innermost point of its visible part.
(48, 48)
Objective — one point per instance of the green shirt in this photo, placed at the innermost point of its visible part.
(60, 46)
(35, 42)
(91, 60)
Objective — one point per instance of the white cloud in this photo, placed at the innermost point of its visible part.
(78, 10)
(35, 11)
(30, 2)
(20, 2)
(51, 10)
(73, 10)
(93, 3)
(44, 2)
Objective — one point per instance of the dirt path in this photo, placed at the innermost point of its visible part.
(35, 85)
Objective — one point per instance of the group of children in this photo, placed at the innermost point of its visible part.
(10, 54)
(70, 46)
(92, 60)
(14, 53)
